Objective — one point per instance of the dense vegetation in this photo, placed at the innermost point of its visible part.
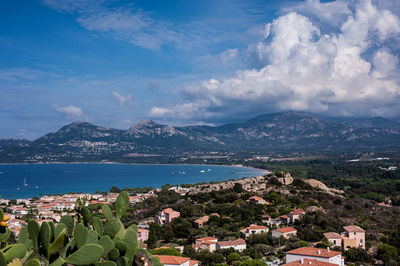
(325, 213)
(367, 179)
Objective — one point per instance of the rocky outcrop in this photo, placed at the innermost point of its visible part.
(260, 184)
(287, 179)
(252, 184)
(318, 184)
(314, 209)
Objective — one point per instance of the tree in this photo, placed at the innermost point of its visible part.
(115, 189)
(357, 255)
(387, 252)
(234, 256)
(252, 263)
(152, 240)
(238, 188)
(152, 202)
(188, 251)
(274, 197)
(165, 251)
(182, 228)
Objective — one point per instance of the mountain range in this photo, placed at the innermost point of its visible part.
(268, 133)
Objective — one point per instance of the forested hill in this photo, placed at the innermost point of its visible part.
(276, 132)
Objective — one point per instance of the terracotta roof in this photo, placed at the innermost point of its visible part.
(175, 260)
(284, 216)
(140, 230)
(208, 242)
(238, 241)
(193, 262)
(298, 212)
(208, 238)
(169, 210)
(331, 235)
(313, 252)
(286, 230)
(309, 262)
(256, 198)
(202, 219)
(266, 216)
(353, 228)
(254, 226)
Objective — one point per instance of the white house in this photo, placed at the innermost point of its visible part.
(253, 229)
(323, 255)
(238, 244)
(209, 243)
(296, 215)
(286, 232)
(308, 262)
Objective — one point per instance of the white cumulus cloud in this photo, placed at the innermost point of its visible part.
(350, 70)
(123, 100)
(70, 110)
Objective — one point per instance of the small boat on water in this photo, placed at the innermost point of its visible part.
(202, 171)
(25, 184)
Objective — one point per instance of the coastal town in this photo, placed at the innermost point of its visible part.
(251, 221)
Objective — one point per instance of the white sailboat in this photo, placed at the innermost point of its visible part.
(25, 184)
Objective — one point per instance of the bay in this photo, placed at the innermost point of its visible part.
(28, 180)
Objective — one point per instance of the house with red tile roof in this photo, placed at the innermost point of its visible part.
(175, 260)
(201, 221)
(209, 243)
(253, 229)
(266, 218)
(296, 215)
(323, 255)
(286, 232)
(285, 219)
(238, 244)
(17, 209)
(256, 200)
(167, 215)
(334, 238)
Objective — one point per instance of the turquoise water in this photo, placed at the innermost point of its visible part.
(42, 179)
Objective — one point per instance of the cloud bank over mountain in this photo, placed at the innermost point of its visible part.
(336, 58)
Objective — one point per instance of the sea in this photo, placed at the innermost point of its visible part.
(28, 180)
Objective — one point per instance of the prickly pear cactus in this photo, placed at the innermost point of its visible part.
(81, 240)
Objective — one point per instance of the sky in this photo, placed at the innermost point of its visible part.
(114, 63)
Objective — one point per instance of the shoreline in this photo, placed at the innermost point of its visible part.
(260, 171)
(263, 171)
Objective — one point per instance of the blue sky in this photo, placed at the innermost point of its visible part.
(114, 63)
